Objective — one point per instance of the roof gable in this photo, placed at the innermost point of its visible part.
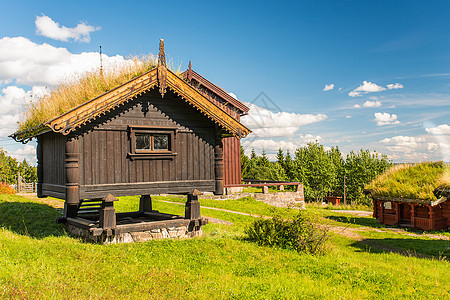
(191, 75)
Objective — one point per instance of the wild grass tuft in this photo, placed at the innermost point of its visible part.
(414, 181)
(78, 89)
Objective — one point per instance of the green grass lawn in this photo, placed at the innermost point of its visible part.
(39, 260)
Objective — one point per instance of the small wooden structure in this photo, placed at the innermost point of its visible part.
(415, 213)
(154, 134)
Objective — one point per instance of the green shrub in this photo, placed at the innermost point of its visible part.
(302, 234)
(6, 189)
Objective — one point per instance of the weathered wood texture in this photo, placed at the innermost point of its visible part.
(104, 164)
(416, 215)
(53, 160)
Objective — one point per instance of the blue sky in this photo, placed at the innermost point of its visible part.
(356, 74)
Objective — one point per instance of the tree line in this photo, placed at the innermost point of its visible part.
(9, 167)
(322, 172)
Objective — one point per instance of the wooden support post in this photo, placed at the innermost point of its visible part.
(413, 216)
(431, 218)
(192, 209)
(375, 208)
(397, 213)
(107, 219)
(382, 212)
(72, 187)
(40, 167)
(145, 204)
(218, 163)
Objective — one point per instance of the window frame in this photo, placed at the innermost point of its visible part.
(134, 153)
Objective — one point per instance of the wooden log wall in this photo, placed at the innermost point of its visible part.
(105, 166)
(53, 165)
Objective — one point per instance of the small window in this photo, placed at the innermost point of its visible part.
(152, 142)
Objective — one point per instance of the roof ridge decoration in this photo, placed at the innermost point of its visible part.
(162, 69)
(103, 104)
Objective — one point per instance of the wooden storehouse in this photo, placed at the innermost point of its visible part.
(158, 133)
(415, 213)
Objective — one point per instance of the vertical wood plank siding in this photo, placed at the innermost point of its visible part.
(53, 156)
(232, 160)
(104, 149)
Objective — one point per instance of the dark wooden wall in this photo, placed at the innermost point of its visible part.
(53, 173)
(105, 167)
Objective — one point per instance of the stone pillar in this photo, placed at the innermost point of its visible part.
(40, 169)
(218, 163)
(145, 204)
(72, 186)
(265, 189)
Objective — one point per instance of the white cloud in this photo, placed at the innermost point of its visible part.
(433, 147)
(11, 103)
(357, 106)
(372, 104)
(443, 129)
(328, 87)
(265, 123)
(366, 87)
(45, 26)
(386, 119)
(370, 87)
(28, 152)
(348, 117)
(29, 63)
(403, 144)
(395, 86)
(232, 95)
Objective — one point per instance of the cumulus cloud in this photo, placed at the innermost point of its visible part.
(29, 63)
(443, 129)
(395, 86)
(28, 152)
(386, 119)
(369, 103)
(370, 87)
(348, 117)
(12, 100)
(357, 106)
(265, 123)
(328, 87)
(403, 144)
(366, 87)
(45, 26)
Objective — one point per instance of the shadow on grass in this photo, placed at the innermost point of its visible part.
(31, 219)
(420, 248)
(362, 221)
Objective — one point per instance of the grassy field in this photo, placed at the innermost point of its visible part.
(39, 260)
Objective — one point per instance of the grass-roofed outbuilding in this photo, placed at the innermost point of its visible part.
(156, 132)
(413, 195)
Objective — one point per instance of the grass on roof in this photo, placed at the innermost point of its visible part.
(413, 181)
(81, 88)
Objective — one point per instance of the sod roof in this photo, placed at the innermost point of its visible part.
(419, 181)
